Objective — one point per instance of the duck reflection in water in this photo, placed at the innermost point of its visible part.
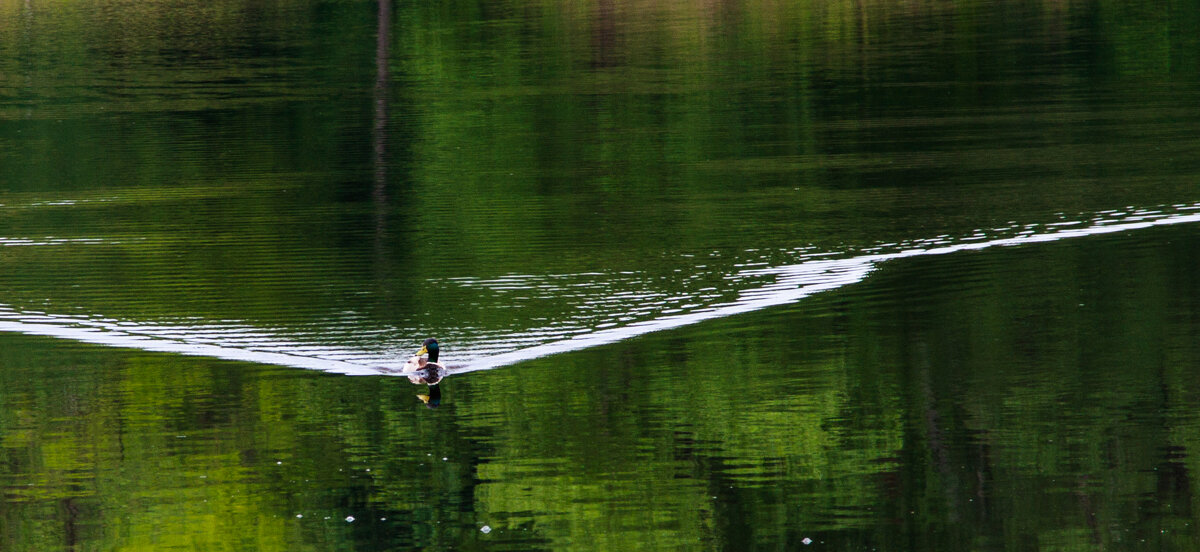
(434, 398)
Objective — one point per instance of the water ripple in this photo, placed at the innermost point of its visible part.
(608, 307)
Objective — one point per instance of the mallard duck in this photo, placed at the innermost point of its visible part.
(420, 370)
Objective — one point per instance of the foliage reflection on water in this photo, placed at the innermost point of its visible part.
(515, 184)
(486, 169)
(945, 403)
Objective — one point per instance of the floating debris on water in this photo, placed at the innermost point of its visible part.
(485, 529)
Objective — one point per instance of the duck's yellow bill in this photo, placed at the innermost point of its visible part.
(422, 351)
(424, 398)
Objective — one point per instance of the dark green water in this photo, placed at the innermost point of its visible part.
(736, 276)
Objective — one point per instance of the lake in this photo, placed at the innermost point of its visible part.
(706, 275)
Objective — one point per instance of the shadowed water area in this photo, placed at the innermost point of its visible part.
(707, 276)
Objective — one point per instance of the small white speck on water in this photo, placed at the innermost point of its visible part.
(368, 469)
(349, 519)
(279, 463)
(444, 458)
(806, 541)
(382, 519)
(299, 516)
(485, 529)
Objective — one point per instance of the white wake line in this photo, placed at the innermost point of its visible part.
(118, 338)
(793, 283)
(798, 281)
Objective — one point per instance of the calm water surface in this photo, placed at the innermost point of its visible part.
(743, 275)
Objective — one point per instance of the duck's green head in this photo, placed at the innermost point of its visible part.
(429, 346)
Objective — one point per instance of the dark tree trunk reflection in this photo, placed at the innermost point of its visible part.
(379, 129)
